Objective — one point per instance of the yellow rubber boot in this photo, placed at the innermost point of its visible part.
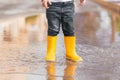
(51, 48)
(71, 54)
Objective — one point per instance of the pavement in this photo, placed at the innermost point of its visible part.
(23, 45)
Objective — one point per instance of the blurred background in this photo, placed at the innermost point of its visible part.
(23, 32)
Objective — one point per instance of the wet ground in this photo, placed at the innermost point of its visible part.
(23, 47)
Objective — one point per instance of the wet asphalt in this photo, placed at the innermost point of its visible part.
(23, 46)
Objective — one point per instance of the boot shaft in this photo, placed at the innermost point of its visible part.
(70, 44)
(51, 48)
(51, 44)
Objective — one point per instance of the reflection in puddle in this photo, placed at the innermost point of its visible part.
(23, 72)
(97, 28)
(20, 40)
(21, 77)
(7, 35)
(24, 29)
(51, 70)
(13, 77)
(116, 28)
(69, 71)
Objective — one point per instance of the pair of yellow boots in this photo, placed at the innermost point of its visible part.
(70, 48)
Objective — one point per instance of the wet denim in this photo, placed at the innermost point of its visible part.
(60, 14)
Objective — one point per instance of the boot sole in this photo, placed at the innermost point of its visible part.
(74, 60)
(51, 60)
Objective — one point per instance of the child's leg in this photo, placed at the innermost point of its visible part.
(53, 18)
(67, 19)
(68, 29)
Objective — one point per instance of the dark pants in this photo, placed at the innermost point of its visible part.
(60, 14)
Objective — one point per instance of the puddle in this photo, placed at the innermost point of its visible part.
(23, 47)
(98, 28)
(24, 29)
